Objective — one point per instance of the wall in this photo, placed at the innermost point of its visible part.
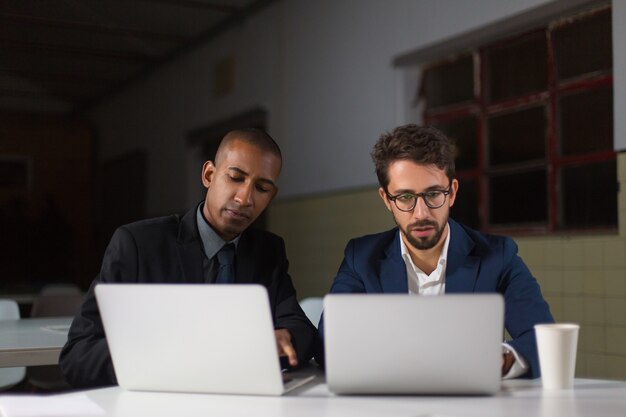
(52, 220)
(619, 72)
(340, 88)
(584, 280)
(325, 73)
(158, 114)
(322, 70)
(316, 230)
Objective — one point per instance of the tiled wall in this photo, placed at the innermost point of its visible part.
(582, 277)
(584, 280)
(317, 229)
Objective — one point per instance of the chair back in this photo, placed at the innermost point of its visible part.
(9, 310)
(9, 377)
(56, 301)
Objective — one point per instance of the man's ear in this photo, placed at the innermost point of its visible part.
(383, 194)
(208, 169)
(454, 187)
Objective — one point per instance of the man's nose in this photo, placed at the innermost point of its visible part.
(244, 195)
(421, 210)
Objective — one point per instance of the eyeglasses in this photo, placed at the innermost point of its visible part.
(407, 201)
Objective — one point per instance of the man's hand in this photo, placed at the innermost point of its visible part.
(285, 348)
(507, 361)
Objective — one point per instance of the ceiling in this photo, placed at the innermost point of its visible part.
(69, 55)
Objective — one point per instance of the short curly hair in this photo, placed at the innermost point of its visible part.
(423, 145)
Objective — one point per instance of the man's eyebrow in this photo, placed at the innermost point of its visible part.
(410, 191)
(245, 174)
(238, 171)
(437, 188)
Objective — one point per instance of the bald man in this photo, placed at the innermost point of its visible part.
(240, 184)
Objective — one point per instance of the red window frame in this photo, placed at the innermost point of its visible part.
(479, 108)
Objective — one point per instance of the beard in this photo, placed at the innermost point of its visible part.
(424, 243)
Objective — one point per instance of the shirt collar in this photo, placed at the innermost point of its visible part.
(211, 241)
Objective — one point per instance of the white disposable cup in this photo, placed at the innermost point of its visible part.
(556, 344)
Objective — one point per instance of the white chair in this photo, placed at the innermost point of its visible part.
(57, 300)
(9, 377)
(312, 307)
(61, 288)
(54, 300)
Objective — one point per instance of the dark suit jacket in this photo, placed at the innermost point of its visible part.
(476, 263)
(169, 250)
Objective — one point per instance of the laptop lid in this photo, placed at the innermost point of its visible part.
(191, 338)
(408, 344)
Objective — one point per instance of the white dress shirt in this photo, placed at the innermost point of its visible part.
(420, 283)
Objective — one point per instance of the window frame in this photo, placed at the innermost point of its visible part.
(554, 163)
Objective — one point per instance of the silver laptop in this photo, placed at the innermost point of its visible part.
(408, 344)
(192, 338)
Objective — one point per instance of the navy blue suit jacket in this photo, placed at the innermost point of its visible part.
(476, 263)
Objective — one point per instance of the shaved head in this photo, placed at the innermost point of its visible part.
(255, 137)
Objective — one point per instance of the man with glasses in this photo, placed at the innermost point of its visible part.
(431, 254)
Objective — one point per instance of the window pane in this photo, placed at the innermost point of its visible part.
(518, 198)
(449, 83)
(517, 137)
(463, 133)
(590, 195)
(465, 208)
(587, 121)
(517, 68)
(583, 46)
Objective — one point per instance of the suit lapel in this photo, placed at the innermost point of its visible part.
(392, 270)
(190, 248)
(461, 268)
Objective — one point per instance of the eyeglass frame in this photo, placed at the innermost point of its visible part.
(445, 193)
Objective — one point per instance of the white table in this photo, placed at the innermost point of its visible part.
(518, 398)
(29, 342)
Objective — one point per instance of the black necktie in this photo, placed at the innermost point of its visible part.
(226, 269)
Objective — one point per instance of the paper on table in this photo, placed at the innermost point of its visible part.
(68, 405)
